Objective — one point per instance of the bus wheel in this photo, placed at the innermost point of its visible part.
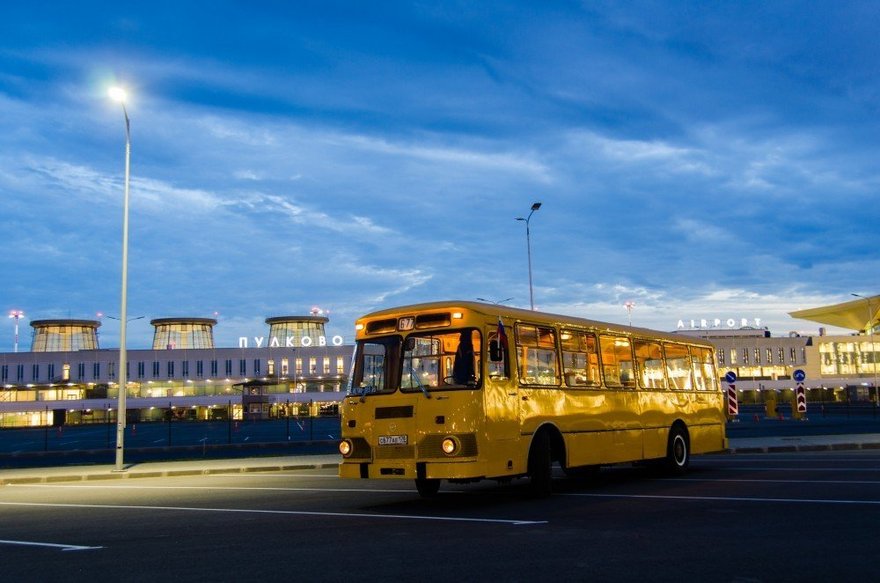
(427, 488)
(678, 450)
(540, 466)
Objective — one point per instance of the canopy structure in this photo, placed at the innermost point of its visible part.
(858, 314)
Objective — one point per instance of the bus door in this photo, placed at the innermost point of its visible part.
(501, 393)
(622, 425)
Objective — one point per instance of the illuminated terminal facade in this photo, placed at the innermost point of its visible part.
(295, 369)
(67, 378)
(838, 367)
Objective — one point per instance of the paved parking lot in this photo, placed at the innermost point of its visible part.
(744, 517)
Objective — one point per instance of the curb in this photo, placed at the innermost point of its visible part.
(805, 447)
(161, 474)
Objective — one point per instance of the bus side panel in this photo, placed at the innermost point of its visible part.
(709, 435)
(600, 426)
(659, 409)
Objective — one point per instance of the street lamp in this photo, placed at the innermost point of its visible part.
(629, 305)
(871, 325)
(118, 94)
(535, 207)
(17, 315)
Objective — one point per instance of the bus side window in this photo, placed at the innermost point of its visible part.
(704, 369)
(580, 359)
(677, 368)
(617, 361)
(649, 357)
(536, 347)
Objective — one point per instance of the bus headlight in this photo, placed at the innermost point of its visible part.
(450, 446)
(345, 447)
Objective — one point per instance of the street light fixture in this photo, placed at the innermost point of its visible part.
(18, 315)
(118, 94)
(535, 207)
(871, 326)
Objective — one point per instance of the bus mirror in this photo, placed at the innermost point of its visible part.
(495, 352)
(410, 344)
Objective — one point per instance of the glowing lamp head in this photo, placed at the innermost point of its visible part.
(117, 94)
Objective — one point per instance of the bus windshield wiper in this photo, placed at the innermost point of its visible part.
(414, 376)
(367, 390)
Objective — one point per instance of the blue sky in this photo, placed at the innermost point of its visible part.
(703, 160)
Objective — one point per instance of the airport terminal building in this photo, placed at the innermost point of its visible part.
(839, 368)
(293, 369)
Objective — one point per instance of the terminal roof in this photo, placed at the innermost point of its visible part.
(858, 314)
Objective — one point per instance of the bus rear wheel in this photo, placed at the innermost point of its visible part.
(427, 487)
(678, 451)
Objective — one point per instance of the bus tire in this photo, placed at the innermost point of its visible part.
(540, 469)
(678, 451)
(427, 487)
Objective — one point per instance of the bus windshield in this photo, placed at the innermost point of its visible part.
(420, 363)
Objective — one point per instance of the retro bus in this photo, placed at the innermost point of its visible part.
(464, 391)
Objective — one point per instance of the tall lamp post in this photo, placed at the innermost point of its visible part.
(17, 315)
(629, 305)
(535, 207)
(118, 94)
(871, 326)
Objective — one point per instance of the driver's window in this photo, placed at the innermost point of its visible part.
(421, 363)
(450, 359)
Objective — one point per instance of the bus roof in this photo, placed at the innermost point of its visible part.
(519, 314)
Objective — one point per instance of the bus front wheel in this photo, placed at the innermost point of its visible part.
(540, 466)
(678, 450)
(427, 487)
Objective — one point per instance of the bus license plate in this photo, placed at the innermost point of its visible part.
(393, 440)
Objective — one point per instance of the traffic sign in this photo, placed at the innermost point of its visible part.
(730, 377)
(799, 375)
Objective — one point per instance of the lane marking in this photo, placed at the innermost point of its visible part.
(727, 499)
(62, 547)
(710, 480)
(512, 522)
(789, 469)
(233, 488)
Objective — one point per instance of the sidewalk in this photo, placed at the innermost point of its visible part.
(318, 461)
(167, 469)
(804, 443)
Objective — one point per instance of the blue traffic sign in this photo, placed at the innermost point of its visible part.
(799, 375)
(730, 377)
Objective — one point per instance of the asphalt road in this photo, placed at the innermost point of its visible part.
(764, 517)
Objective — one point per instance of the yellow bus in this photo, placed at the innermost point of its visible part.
(464, 391)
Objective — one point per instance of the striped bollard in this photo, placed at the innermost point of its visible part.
(799, 394)
(732, 403)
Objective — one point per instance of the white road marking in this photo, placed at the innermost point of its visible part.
(234, 488)
(512, 522)
(62, 547)
(727, 499)
(804, 469)
(760, 481)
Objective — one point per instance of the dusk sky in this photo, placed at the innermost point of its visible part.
(701, 159)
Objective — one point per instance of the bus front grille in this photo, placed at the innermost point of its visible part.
(396, 452)
(394, 412)
(360, 449)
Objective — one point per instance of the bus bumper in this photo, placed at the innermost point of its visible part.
(458, 470)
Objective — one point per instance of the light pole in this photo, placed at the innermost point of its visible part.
(17, 315)
(629, 305)
(118, 94)
(535, 207)
(873, 348)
